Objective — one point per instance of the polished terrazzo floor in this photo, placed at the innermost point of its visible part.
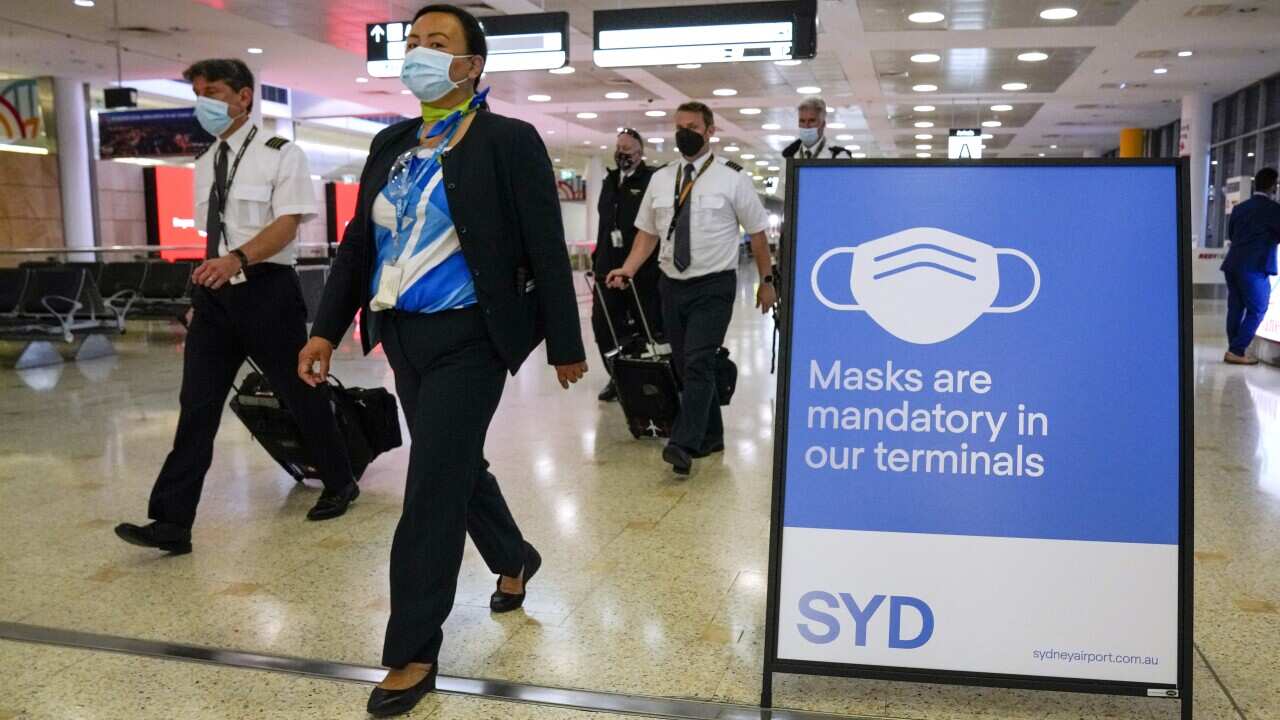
(652, 585)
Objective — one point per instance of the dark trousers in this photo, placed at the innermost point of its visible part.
(620, 309)
(449, 379)
(1248, 295)
(697, 314)
(265, 319)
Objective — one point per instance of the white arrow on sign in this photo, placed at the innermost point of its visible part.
(377, 33)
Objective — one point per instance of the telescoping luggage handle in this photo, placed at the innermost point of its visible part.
(653, 346)
(595, 288)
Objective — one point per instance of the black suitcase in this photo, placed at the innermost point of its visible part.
(367, 418)
(642, 374)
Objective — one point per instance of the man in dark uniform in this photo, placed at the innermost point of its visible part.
(251, 191)
(812, 143)
(620, 198)
(1254, 231)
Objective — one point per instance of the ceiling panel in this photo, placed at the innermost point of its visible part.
(963, 116)
(891, 15)
(976, 70)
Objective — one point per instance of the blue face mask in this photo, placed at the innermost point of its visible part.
(213, 115)
(808, 136)
(426, 73)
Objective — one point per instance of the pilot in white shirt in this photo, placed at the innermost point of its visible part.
(252, 192)
(692, 213)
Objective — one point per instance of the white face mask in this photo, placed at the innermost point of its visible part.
(925, 285)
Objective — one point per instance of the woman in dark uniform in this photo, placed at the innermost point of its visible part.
(456, 254)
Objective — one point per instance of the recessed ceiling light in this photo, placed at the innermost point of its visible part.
(586, 142)
(924, 136)
(925, 58)
(1033, 56)
(1041, 154)
(715, 139)
(84, 3)
(853, 147)
(566, 70)
(1014, 86)
(731, 148)
(689, 66)
(924, 88)
(1185, 53)
(724, 92)
(410, 92)
(761, 163)
(924, 146)
(757, 177)
(657, 140)
(551, 132)
(925, 18)
(616, 95)
(988, 136)
(1249, 155)
(859, 156)
(362, 79)
(748, 156)
(1059, 13)
(924, 124)
(251, 51)
(655, 113)
(843, 138)
(991, 123)
(924, 108)
(786, 63)
(1001, 108)
(836, 126)
(604, 147)
(1160, 71)
(587, 116)
(771, 126)
(749, 111)
(924, 155)
(773, 168)
(809, 90)
(1053, 147)
(555, 160)
(539, 98)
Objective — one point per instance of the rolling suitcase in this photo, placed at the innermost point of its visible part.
(367, 418)
(643, 377)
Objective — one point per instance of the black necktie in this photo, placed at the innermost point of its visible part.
(683, 253)
(213, 220)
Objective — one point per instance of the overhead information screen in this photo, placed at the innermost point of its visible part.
(538, 41)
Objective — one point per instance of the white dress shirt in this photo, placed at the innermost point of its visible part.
(722, 199)
(268, 184)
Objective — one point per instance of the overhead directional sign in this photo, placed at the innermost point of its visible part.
(965, 144)
(536, 41)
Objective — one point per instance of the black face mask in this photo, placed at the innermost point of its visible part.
(626, 162)
(689, 142)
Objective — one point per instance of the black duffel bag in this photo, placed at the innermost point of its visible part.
(726, 376)
(370, 422)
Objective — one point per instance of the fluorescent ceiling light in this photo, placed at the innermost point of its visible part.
(681, 35)
(991, 123)
(761, 163)
(924, 146)
(1059, 13)
(988, 136)
(587, 116)
(689, 66)
(731, 148)
(773, 168)
(1185, 53)
(925, 58)
(24, 149)
(657, 140)
(749, 111)
(809, 90)
(924, 108)
(748, 156)
(924, 124)
(655, 113)
(1014, 86)
(84, 3)
(859, 156)
(566, 70)
(1160, 71)
(724, 92)
(1001, 108)
(924, 136)
(926, 18)
(539, 98)
(771, 126)
(924, 155)
(924, 88)
(616, 96)
(786, 63)
(836, 125)
(1033, 57)
(254, 51)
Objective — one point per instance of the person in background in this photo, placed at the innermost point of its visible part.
(692, 210)
(457, 259)
(620, 198)
(1254, 232)
(812, 142)
(252, 191)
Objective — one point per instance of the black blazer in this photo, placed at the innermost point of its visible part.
(506, 210)
(835, 150)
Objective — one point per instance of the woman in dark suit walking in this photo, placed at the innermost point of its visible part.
(456, 253)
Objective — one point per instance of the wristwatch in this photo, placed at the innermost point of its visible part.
(244, 259)
(767, 279)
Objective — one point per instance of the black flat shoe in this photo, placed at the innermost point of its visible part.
(679, 458)
(501, 602)
(173, 539)
(388, 703)
(609, 393)
(332, 505)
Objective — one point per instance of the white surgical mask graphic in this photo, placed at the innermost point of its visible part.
(925, 285)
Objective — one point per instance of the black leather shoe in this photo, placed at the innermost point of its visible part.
(609, 393)
(680, 459)
(332, 505)
(388, 703)
(711, 448)
(501, 602)
(173, 539)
